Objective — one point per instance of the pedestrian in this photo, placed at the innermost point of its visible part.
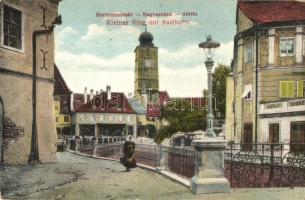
(128, 159)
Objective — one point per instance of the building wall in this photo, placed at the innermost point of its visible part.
(105, 118)
(284, 127)
(60, 118)
(16, 88)
(243, 22)
(269, 74)
(229, 108)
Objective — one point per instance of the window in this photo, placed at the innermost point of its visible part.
(66, 118)
(287, 46)
(247, 94)
(247, 136)
(274, 133)
(248, 53)
(286, 89)
(56, 119)
(297, 136)
(300, 88)
(12, 27)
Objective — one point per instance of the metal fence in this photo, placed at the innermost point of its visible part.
(265, 165)
(177, 160)
(246, 165)
(180, 161)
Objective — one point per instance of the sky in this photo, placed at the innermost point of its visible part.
(91, 53)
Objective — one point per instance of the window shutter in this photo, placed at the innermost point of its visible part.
(300, 92)
(283, 89)
(290, 89)
(286, 89)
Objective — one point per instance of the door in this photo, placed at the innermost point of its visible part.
(274, 133)
(247, 139)
(297, 136)
(1, 130)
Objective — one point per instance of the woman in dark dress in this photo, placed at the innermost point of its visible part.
(128, 159)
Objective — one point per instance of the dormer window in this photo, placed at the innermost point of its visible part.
(12, 27)
(287, 46)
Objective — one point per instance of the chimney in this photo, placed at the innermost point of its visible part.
(91, 94)
(108, 90)
(85, 94)
(101, 91)
(96, 93)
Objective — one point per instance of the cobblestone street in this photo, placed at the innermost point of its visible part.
(76, 177)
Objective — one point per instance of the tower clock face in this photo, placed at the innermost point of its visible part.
(147, 63)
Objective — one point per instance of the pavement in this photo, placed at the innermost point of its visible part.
(77, 177)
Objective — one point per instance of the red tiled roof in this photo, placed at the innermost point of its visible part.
(164, 97)
(99, 104)
(273, 11)
(153, 110)
(197, 102)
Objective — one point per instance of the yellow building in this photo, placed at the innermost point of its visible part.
(230, 108)
(62, 105)
(269, 72)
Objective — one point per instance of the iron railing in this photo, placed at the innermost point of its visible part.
(246, 165)
(180, 161)
(265, 165)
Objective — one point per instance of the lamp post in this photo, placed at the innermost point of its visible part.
(209, 47)
(209, 174)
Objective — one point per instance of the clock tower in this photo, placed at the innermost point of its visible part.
(146, 67)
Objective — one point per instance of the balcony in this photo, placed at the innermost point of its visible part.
(282, 107)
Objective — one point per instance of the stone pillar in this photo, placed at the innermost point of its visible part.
(77, 145)
(160, 158)
(135, 131)
(299, 44)
(95, 130)
(271, 38)
(95, 148)
(182, 142)
(77, 129)
(209, 176)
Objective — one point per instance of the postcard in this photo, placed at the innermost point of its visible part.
(141, 99)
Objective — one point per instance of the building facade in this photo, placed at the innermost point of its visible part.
(27, 106)
(103, 114)
(269, 73)
(62, 104)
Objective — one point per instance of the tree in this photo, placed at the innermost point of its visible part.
(219, 87)
(180, 117)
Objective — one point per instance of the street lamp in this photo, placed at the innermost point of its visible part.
(209, 174)
(209, 47)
